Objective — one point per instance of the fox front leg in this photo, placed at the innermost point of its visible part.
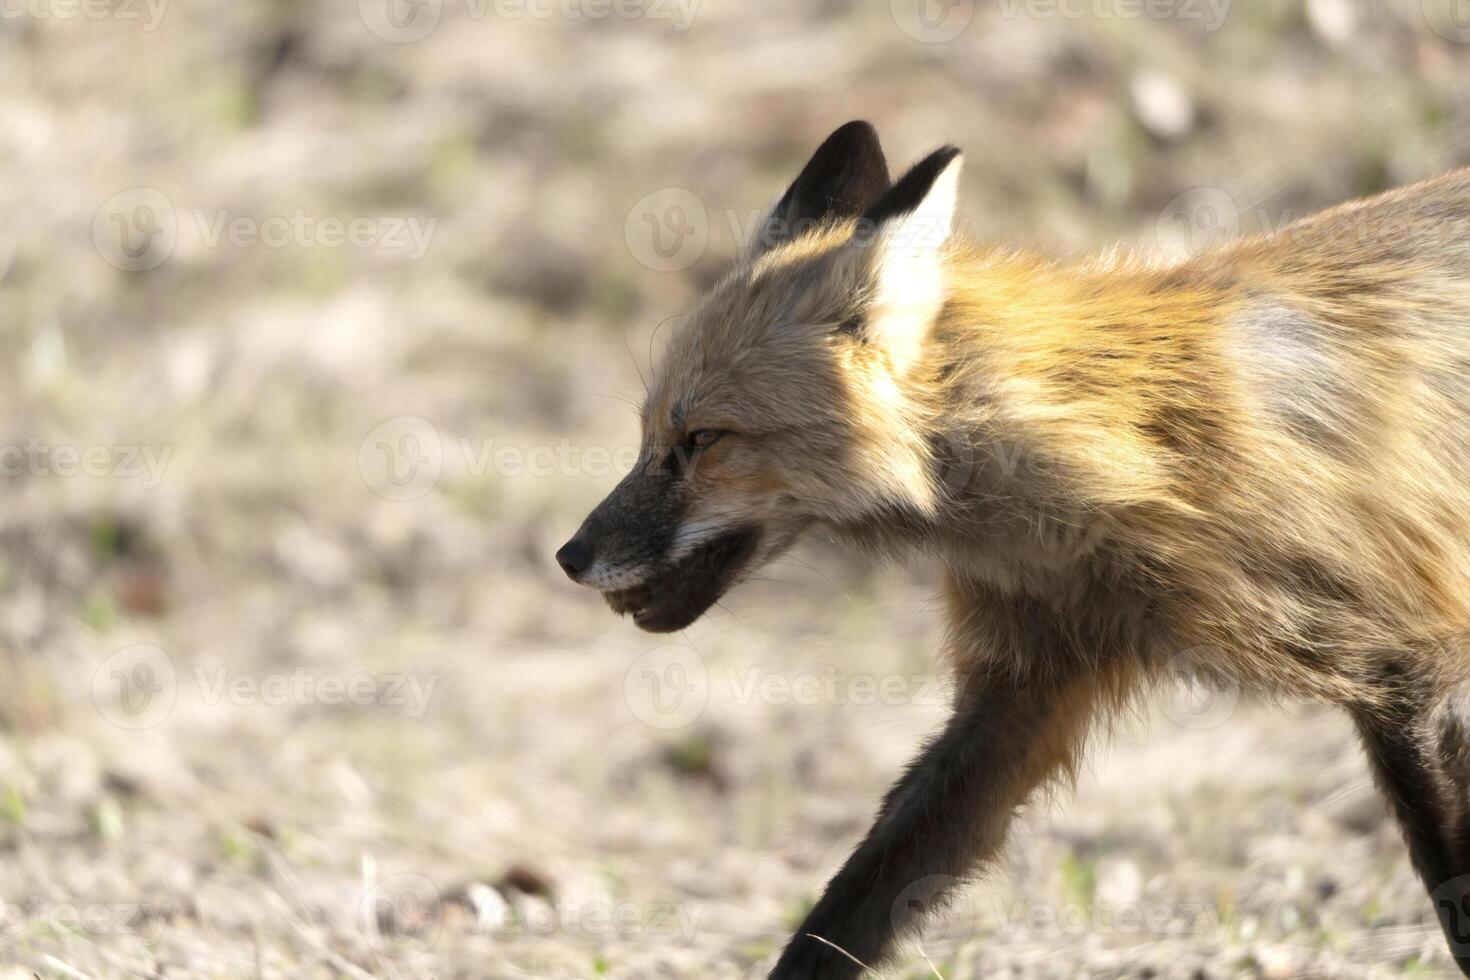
(948, 813)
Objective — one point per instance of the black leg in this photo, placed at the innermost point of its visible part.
(1418, 761)
(948, 813)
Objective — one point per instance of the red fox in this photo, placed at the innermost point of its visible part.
(1260, 455)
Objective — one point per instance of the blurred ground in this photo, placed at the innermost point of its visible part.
(323, 320)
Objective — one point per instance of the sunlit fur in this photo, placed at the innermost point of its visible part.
(1265, 447)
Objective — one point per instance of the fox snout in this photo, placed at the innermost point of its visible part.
(649, 559)
(629, 533)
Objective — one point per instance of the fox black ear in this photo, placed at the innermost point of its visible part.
(845, 177)
(912, 188)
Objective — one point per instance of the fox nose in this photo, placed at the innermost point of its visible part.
(574, 557)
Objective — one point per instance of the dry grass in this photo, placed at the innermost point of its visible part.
(382, 737)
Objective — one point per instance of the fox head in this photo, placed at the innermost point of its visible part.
(792, 396)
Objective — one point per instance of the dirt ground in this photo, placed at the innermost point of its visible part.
(324, 324)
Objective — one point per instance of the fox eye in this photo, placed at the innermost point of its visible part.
(682, 455)
(703, 438)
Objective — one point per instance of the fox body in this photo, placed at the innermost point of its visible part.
(1253, 465)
